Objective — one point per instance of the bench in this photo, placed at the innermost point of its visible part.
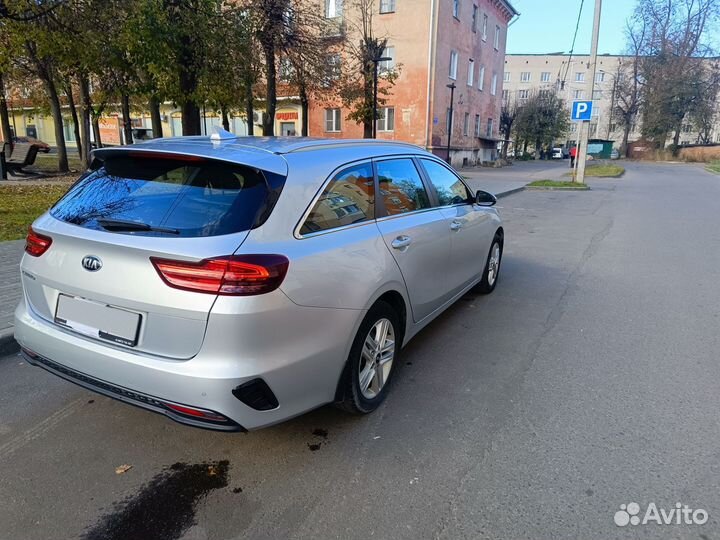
(23, 155)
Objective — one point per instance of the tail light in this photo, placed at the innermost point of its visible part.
(36, 244)
(234, 275)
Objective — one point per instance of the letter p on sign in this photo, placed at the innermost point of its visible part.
(581, 110)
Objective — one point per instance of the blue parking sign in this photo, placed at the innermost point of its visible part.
(581, 110)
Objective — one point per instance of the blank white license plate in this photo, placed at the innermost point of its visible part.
(98, 320)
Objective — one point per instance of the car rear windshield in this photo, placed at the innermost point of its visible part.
(180, 196)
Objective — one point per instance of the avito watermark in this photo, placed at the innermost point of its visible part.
(680, 514)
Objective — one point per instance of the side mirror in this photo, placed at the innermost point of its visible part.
(483, 198)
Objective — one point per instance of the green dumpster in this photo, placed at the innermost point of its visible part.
(600, 148)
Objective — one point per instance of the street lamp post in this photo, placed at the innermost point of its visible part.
(376, 61)
(452, 87)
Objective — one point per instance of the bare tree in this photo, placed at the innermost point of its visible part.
(628, 82)
(508, 114)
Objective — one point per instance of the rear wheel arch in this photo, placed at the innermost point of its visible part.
(397, 302)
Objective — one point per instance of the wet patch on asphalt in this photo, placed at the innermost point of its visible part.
(164, 508)
(320, 435)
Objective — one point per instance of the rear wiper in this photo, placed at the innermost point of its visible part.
(121, 225)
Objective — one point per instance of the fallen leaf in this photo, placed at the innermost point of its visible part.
(122, 469)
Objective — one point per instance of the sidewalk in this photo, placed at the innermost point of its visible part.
(10, 291)
(506, 180)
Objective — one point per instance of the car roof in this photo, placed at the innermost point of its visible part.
(262, 152)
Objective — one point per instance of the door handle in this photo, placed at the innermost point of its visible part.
(401, 242)
(456, 225)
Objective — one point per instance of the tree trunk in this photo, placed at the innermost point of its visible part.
(249, 109)
(190, 119)
(225, 119)
(270, 90)
(56, 112)
(85, 112)
(4, 115)
(96, 131)
(626, 136)
(305, 107)
(76, 123)
(155, 119)
(127, 124)
(676, 142)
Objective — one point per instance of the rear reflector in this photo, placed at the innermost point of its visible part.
(36, 244)
(197, 413)
(234, 275)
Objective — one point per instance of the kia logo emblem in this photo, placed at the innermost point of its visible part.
(91, 263)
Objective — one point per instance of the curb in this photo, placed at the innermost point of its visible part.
(8, 345)
(502, 194)
(549, 188)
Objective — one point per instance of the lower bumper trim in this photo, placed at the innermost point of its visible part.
(132, 397)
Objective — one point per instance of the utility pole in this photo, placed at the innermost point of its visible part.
(585, 125)
(451, 86)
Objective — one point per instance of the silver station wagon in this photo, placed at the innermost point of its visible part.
(234, 282)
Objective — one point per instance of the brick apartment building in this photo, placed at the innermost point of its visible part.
(436, 42)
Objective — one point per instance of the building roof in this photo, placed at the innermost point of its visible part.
(510, 7)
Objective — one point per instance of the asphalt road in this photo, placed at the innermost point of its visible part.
(589, 379)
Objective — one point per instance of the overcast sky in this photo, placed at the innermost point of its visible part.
(546, 26)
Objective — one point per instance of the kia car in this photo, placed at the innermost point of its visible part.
(233, 283)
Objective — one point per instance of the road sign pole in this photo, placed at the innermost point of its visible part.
(585, 125)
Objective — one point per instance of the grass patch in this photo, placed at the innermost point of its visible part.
(602, 171)
(20, 205)
(714, 166)
(48, 163)
(556, 184)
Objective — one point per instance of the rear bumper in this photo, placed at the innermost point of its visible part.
(126, 395)
(298, 352)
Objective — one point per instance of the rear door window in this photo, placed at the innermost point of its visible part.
(401, 187)
(449, 188)
(176, 196)
(348, 198)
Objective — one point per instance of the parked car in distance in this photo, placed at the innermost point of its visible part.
(232, 283)
(557, 153)
(41, 146)
(614, 154)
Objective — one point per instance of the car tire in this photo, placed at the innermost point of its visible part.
(364, 386)
(492, 267)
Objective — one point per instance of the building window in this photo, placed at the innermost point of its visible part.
(453, 65)
(471, 72)
(545, 76)
(597, 94)
(580, 76)
(497, 37)
(484, 27)
(386, 119)
(466, 124)
(525, 76)
(600, 76)
(387, 6)
(506, 95)
(332, 69)
(387, 65)
(333, 8)
(578, 94)
(332, 120)
(493, 87)
(522, 94)
(489, 131)
(477, 125)
(456, 9)
(573, 127)
(474, 18)
(481, 76)
(506, 76)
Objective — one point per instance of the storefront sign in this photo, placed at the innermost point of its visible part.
(286, 116)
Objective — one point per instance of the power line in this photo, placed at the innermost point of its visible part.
(572, 47)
